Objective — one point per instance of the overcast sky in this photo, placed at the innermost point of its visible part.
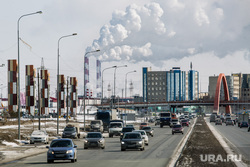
(213, 35)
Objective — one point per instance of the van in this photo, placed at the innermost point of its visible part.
(213, 117)
(96, 126)
(71, 130)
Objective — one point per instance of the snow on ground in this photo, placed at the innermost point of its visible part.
(10, 144)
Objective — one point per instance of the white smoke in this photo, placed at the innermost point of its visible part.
(163, 30)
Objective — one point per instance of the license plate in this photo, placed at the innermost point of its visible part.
(60, 155)
(133, 145)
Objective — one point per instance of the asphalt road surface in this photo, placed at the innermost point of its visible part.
(239, 137)
(157, 153)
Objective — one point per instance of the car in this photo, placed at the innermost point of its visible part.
(94, 139)
(218, 122)
(132, 140)
(71, 131)
(243, 124)
(229, 122)
(130, 125)
(144, 135)
(185, 122)
(178, 128)
(157, 121)
(39, 136)
(143, 124)
(62, 149)
(125, 130)
(174, 122)
(149, 130)
(151, 120)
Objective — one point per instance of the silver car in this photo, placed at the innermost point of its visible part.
(39, 136)
(144, 135)
(94, 139)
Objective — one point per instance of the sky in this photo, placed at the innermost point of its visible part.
(213, 35)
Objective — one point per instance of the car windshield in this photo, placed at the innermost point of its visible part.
(143, 123)
(146, 128)
(177, 126)
(115, 125)
(38, 133)
(94, 135)
(70, 129)
(132, 136)
(184, 120)
(175, 120)
(127, 129)
(142, 132)
(61, 143)
(95, 122)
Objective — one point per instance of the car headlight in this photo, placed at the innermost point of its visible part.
(51, 152)
(100, 141)
(122, 142)
(140, 142)
(69, 151)
(85, 141)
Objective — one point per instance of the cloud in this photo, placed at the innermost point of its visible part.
(164, 30)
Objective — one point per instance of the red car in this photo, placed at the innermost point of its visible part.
(177, 129)
(143, 125)
(184, 122)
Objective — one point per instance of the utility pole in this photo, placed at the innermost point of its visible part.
(67, 101)
(39, 109)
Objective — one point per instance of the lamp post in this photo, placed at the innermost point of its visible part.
(18, 54)
(58, 55)
(102, 79)
(126, 92)
(115, 78)
(84, 84)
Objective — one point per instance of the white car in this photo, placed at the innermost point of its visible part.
(39, 136)
(144, 135)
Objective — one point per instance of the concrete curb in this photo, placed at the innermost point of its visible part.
(175, 156)
(225, 146)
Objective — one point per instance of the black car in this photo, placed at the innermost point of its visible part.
(243, 124)
(132, 140)
(125, 130)
(149, 130)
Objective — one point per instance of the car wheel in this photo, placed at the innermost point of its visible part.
(182, 132)
(73, 160)
(50, 161)
(85, 147)
(123, 149)
(172, 133)
(103, 147)
(146, 144)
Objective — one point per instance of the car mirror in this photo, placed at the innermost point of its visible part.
(47, 146)
(75, 146)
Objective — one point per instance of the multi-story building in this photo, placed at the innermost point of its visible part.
(173, 85)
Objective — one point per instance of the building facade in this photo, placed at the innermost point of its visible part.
(173, 85)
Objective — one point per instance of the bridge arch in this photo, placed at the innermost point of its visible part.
(221, 78)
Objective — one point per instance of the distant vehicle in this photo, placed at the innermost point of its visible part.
(165, 118)
(229, 122)
(130, 125)
(213, 117)
(71, 131)
(143, 125)
(242, 118)
(132, 140)
(218, 122)
(96, 126)
(94, 139)
(177, 129)
(184, 122)
(157, 121)
(106, 116)
(151, 120)
(149, 130)
(62, 149)
(243, 124)
(227, 117)
(40, 136)
(174, 122)
(144, 135)
(115, 128)
(125, 130)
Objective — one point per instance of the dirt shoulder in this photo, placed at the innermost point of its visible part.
(203, 149)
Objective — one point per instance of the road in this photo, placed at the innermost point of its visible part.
(239, 137)
(157, 153)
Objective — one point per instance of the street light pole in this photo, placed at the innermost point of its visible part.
(126, 92)
(102, 81)
(18, 86)
(58, 55)
(115, 78)
(85, 84)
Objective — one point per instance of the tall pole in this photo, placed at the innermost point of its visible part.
(67, 101)
(126, 93)
(58, 55)
(84, 84)
(39, 109)
(102, 81)
(18, 86)
(115, 79)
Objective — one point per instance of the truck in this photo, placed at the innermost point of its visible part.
(115, 128)
(165, 118)
(106, 116)
(71, 130)
(243, 117)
